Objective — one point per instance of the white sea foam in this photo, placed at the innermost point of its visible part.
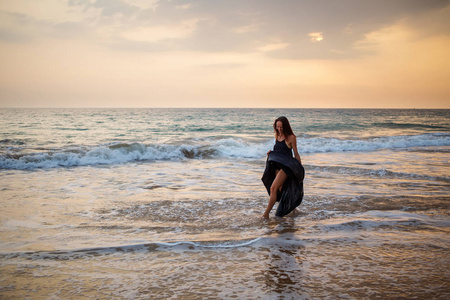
(222, 244)
(223, 148)
(374, 220)
(315, 145)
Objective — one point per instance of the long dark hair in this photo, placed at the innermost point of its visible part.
(286, 126)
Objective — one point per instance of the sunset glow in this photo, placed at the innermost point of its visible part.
(224, 54)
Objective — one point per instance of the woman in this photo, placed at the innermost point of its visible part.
(283, 176)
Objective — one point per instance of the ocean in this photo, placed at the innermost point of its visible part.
(167, 204)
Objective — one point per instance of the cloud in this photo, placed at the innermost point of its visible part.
(316, 36)
(246, 28)
(154, 34)
(216, 26)
(184, 6)
(143, 4)
(273, 47)
(169, 50)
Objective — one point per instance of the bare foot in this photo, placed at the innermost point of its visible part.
(265, 217)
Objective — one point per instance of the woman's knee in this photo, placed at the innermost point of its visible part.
(274, 188)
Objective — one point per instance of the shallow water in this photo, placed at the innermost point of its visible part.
(166, 204)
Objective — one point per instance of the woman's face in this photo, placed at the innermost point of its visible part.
(279, 127)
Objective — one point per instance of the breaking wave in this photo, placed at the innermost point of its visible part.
(119, 153)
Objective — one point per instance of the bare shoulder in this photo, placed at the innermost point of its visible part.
(291, 140)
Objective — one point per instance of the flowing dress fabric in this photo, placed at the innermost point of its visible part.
(291, 194)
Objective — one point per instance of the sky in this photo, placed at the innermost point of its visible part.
(229, 53)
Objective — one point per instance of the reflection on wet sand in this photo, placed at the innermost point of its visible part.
(283, 275)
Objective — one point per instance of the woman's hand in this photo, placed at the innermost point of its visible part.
(269, 152)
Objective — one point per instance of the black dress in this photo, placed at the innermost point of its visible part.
(291, 194)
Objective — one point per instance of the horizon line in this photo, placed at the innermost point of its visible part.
(205, 107)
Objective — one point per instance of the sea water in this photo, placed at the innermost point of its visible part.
(167, 204)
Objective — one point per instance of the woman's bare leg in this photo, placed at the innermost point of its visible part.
(276, 173)
(276, 185)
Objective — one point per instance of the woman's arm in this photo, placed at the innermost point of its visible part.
(293, 142)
